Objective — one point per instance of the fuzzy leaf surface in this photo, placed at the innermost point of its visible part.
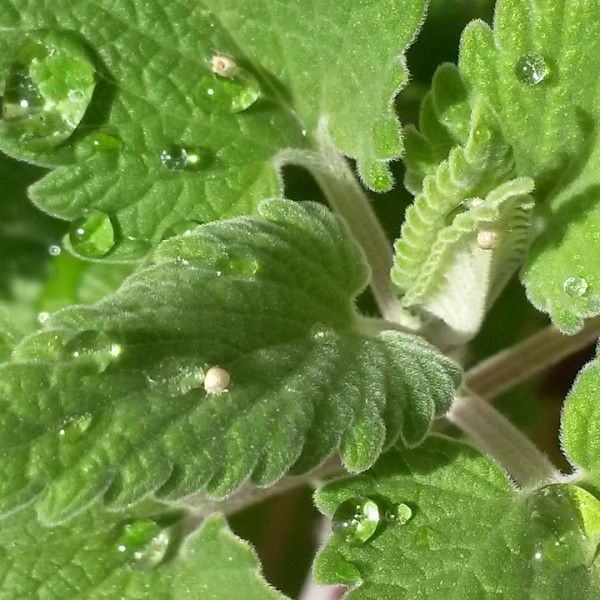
(339, 63)
(95, 557)
(110, 397)
(580, 423)
(470, 536)
(537, 70)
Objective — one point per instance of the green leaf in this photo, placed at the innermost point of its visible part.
(537, 71)
(580, 423)
(460, 531)
(110, 398)
(164, 139)
(142, 557)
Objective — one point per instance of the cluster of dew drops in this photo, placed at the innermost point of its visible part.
(357, 520)
(41, 122)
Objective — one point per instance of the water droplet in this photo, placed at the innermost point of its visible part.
(179, 158)
(144, 543)
(216, 380)
(43, 317)
(228, 87)
(104, 142)
(94, 346)
(320, 332)
(576, 287)
(175, 377)
(54, 250)
(242, 266)
(94, 235)
(181, 228)
(488, 239)
(402, 514)
(47, 91)
(532, 69)
(356, 520)
(75, 426)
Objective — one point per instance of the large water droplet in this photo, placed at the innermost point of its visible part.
(94, 235)
(229, 88)
(47, 91)
(576, 287)
(94, 346)
(532, 69)
(144, 543)
(559, 518)
(180, 158)
(356, 520)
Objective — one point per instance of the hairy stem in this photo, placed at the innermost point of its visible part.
(526, 359)
(348, 199)
(498, 437)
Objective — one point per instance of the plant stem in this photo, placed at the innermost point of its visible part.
(526, 359)
(498, 437)
(347, 198)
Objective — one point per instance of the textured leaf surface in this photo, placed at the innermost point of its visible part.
(470, 535)
(340, 62)
(110, 397)
(460, 169)
(537, 70)
(581, 422)
(95, 557)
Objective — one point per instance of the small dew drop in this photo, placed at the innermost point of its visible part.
(104, 142)
(216, 380)
(180, 158)
(94, 346)
(320, 332)
(54, 250)
(144, 543)
(75, 426)
(242, 266)
(43, 317)
(532, 69)
(181, 228)
(576, 287)
(356, 520)
(93, 236)
(488, 239)
(402, 514)
(537, 555)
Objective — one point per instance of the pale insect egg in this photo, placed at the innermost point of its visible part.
(223, 65)
(216, 380)
(488, 239)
